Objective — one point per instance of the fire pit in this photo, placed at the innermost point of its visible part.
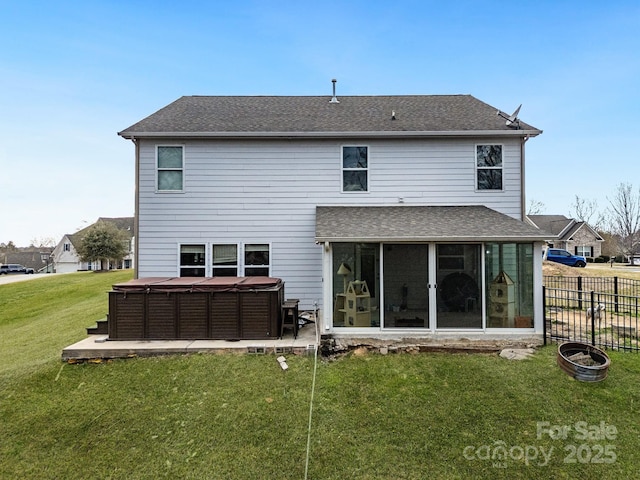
(583, 362)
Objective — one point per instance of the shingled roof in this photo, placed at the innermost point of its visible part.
(420, 223)
(316, 116)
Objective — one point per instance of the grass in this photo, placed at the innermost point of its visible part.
(221, 417)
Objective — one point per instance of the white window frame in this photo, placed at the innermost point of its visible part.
(354, 169)
(241, 264)
(158, 169)
(500, 168)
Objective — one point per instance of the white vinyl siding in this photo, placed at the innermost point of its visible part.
(257, 192)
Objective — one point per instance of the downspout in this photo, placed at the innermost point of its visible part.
(523, 200)
(136, 213)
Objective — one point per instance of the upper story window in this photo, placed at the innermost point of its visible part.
(489, 167)
(355, 169)
(66, 247)
(170, 168)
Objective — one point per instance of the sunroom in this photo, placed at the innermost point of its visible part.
(421, 270)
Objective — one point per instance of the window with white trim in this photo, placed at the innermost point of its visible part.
(192, 260)
(256, 260)
(489, 167)
(355, 169)
(584, 251)
(170, 162)
(224, 260)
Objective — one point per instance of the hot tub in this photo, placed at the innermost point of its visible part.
(222, 308)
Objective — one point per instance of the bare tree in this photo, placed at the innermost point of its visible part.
(584, 210)
(625, 218)
(43, 242)
(535, 207)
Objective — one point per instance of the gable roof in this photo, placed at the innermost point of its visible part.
(420, 223)
(562, 227)
(316, 116)
(554, 224)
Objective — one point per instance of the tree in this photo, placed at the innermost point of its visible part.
(625, 218)
(8, 247)
(43, 242)
(584, 210)
(103, 242)
(535, 207)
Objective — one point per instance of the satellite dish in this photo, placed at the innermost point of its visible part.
(511, 119)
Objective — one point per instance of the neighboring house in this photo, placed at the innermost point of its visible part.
(65, 256)
(395, 215)
(39, 259)
(570, 234)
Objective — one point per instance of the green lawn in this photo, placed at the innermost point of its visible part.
(212, 416)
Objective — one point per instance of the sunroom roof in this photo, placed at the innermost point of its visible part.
(420, 224)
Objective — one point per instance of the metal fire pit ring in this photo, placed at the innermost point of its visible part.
(570, 359)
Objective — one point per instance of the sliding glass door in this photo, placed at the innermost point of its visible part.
(406, 285)
(459, 286)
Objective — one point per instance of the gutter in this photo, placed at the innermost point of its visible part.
(460, 239)
(370, 134)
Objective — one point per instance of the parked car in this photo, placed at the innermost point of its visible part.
(14, 268)
(562, 256)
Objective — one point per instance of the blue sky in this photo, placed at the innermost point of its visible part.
(74, 73)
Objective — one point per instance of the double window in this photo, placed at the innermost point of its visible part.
(170, 162)
(584, 251)
(355, 169)
(489, 167)
(224, 260)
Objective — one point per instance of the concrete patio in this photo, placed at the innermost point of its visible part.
(100, 347)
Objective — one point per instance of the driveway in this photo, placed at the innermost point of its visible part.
(21, 277)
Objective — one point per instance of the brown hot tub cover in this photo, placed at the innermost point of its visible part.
(228, 308)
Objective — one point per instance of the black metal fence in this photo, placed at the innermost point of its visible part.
(603, 319)
(615, 285)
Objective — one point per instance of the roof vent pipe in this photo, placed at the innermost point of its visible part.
(334, 99)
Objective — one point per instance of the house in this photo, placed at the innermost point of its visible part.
(37, 258)
(569, 234)
(396, 216)
(66, 259)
